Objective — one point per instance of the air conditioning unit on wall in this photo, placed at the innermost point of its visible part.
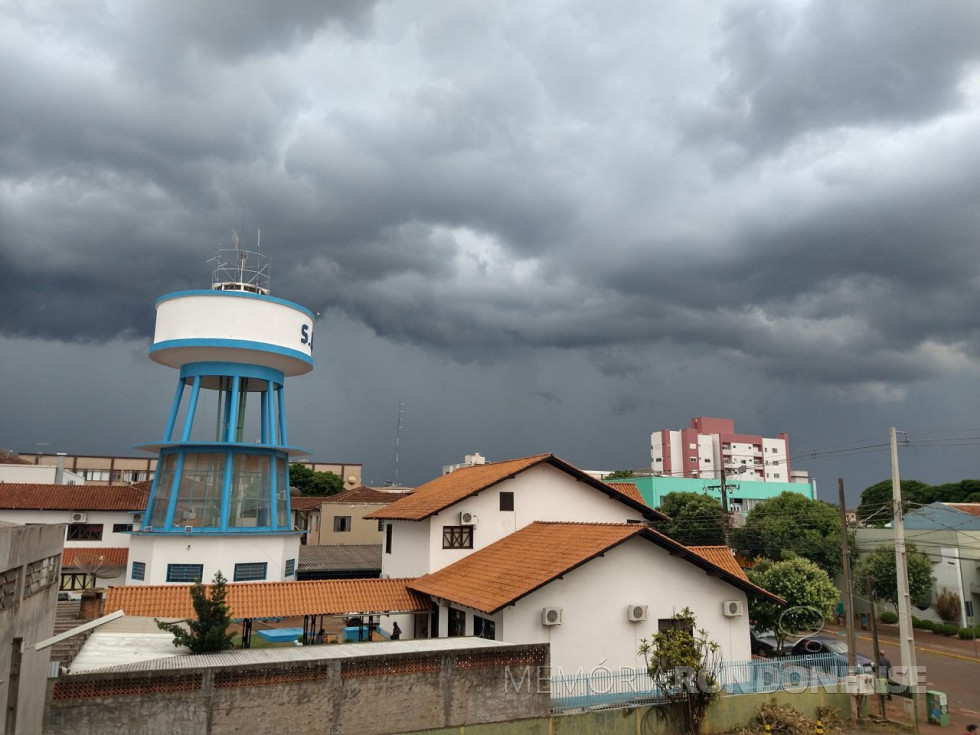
(467, 519)
(636, 613)
(137, 517)
(551, 616)
(79, 517)
(733, 608)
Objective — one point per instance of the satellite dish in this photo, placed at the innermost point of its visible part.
(351, 479)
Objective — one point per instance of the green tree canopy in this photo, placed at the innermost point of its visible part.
(879, 566)
(808, 590)
(695, 519)
(618, 475)
(209, 632)
(875, 508)
(876, 501)
(791, 522)
(309, 482)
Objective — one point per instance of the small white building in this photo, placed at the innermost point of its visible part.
(99, 520)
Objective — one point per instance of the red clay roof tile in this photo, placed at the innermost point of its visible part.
(530, 558)
(105, 557)
(36, 496)
(274, 599)
(520, 563)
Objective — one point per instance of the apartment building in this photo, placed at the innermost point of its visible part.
(711, 445)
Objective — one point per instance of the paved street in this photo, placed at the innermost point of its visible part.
(951, 665)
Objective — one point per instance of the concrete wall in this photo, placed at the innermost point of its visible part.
(357, 695)
(724, 715)
(25, 621)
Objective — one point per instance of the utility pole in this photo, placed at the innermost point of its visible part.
(875, 646)
(726, 516)
(848, 590)
(906, 639)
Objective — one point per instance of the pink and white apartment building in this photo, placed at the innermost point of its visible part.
(711, 444)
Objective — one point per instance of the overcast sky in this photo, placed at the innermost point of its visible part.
(548, 226)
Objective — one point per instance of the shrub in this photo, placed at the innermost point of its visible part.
(927, 625)
(947, 629)
(967, 634)
(947, 606)
(916, 622)
(888, 617)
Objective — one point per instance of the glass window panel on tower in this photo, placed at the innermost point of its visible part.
(161, 495)
(202, 480)
(282, 494)
(251, 489)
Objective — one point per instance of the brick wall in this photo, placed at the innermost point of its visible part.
(365, 694)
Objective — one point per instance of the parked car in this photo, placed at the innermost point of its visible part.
(817, 644)
(763, 642)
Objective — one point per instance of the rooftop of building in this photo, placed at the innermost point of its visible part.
(526, 560)
(36, 496)
(447, 490)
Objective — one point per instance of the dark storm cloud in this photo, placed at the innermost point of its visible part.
(789, 187)
(800, 69)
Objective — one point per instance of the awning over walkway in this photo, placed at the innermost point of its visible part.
(276, 599)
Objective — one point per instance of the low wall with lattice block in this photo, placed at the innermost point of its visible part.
(372, 694)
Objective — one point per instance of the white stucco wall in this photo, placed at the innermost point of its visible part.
(409, 555)
(38, 474)
(594, 598)
(213, 552)
(106, 517)
(542, 493)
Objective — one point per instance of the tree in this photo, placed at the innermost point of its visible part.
(309, 482)
(879, 567)
(209, 633)
(876, 501)
(809, 593)
(695, 519)
(618, 475)
(682, 663)
(791, 522)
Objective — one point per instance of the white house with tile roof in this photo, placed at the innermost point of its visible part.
(593, 591)
(450, 517)
(501, 545)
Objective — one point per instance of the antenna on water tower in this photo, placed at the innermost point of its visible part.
(398, 434)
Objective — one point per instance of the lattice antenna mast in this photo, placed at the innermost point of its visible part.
(238, 269)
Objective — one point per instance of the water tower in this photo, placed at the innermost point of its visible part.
(220, 497)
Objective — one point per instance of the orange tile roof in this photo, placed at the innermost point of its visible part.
(972, 508)
(108, 557)
(305, 502)
(439, 494)
(530, 558)
(274, 599)
(365, 494)
(522, 562)
(720, 556)
(36, 496)
(628, 489)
